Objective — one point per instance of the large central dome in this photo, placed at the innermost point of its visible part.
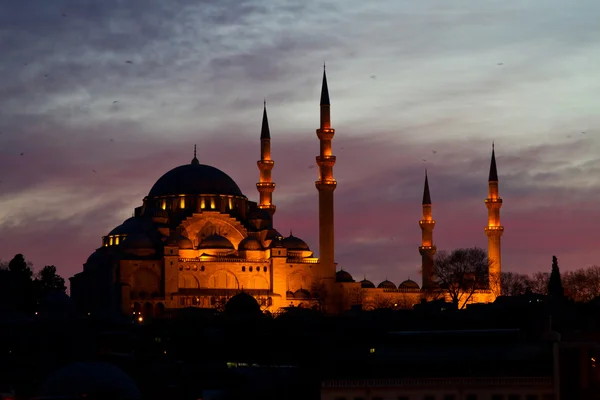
(195, 178)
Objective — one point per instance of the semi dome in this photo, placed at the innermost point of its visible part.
(408, 284)
(366, 284)
(184, 243)
(293, 243)
(216, 242)
(95, 379)
(137, 241)
(130, 226)
(386, 285)
(343, 276)
(250, 243)
(194, 179)
(259, 213)
(242, 304)
(302, 294)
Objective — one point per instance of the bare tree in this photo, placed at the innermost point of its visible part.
(357, 296)
(582, 284)
(319, 293)
(539, 283)
(514, 284)
(383, 302)
(404, 301)
(461, 273)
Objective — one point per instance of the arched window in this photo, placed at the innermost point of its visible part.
(265, 269)
(243, 269)
(250, 269)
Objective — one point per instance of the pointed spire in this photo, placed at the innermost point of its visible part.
(493, 172)
(195, 160)
(265, 133)
(324, 89)
(426, 195)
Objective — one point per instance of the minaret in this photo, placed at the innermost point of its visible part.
(427, 249)
(494, 230)
(326, 185)
(265, 165)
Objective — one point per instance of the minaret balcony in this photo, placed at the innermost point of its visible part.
(326, 185)
(494, 230)
(425, 222)
(325, 161)
(325, 133)
(493, 200)
(267, 187)
(265, 165)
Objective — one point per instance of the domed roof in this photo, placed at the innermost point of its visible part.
(365, 284)
(293, 243)
(137, 241)
(195, 179)
(242, 304)
(302, 294)
(95, 379)
(250, 243)
(216, 242)
(130, 226)
(343, 276)
(408, 284)
(386, 285)
(100, 256)
(184, 243)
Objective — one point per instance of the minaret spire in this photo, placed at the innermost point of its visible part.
(427, 249)
(426, 195)
(265, 165)
(326, 186)
(195, 160)
(494, 229)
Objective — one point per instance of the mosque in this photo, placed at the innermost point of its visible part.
(198, 241)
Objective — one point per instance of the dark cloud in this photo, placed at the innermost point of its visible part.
(198, 74)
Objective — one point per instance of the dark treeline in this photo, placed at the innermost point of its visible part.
(22, 289)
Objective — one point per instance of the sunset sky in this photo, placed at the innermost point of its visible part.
(84, 133)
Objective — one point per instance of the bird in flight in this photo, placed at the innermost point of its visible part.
(434, 151)
(22, 154)
(115, 102)
(424, 160)
(500, 63)
(94, 171)
(129, 62)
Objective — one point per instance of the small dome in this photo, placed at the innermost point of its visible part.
(250, 243)
(95, 379)
(386, 285)
(293, 243)
(408, 284)
(365, 284)
(137, 241)
(184, 243)
(242, 304)
(289, 294)
(216, 242)
(343, 276)
(130, 226)
(302, 294)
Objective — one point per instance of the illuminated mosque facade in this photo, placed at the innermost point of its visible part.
(198, 241)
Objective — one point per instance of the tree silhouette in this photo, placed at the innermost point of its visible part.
(16, 286)
(461, 272)
(555, 286)
(48, 281)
